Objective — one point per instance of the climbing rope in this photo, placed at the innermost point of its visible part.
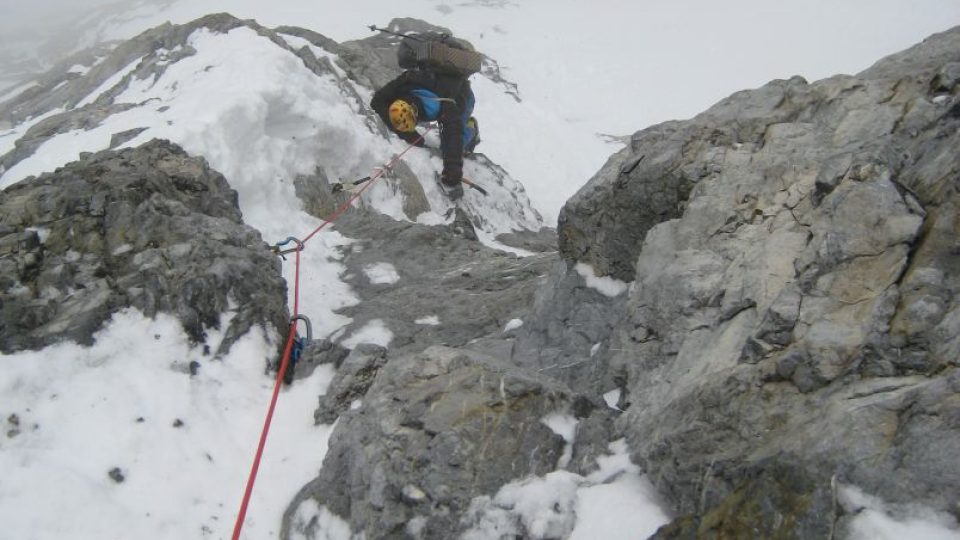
(300, 245)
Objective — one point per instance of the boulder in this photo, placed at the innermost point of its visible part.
(149, 228)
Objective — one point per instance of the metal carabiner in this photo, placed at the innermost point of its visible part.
(309, 327)
(276, 248)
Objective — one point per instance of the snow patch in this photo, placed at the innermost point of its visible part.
(431, 320)
(532, 508)
(565, 426)
(615, 502)
(375, 332)
(382, 274)
(876, 520)
(315, 522)
(606, 285)
(9, 138)
(612, 398)
(114, 80)
(513, 324)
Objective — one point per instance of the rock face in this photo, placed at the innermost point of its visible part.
(150, 228)
(434, 430)
(447, 290)
(796, 271)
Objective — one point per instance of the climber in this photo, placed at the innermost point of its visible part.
(433, 91)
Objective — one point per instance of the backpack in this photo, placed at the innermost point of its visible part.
(438, 52)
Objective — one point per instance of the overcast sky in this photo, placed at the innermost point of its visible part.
(21, 14)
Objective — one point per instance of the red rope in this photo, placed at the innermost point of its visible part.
(266, 424)
(285, 359)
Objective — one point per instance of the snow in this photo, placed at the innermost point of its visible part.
(611, 398)
(83, 411)
(606, 285)
(876, 520)
(512, 324)
(381, 274)
(598, 504)
(106, 85)
(314, 522)
(615, 502)
(375, 332)
(9, 137)
(431, 320)
(565, 426)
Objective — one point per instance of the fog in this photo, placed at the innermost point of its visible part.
(21, 18)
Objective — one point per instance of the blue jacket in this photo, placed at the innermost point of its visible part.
(446, 99)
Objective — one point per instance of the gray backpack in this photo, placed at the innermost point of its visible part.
(438, 52)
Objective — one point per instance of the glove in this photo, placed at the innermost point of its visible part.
(413, 138)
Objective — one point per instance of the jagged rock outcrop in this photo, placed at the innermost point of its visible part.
(794, 259)
(150, 228)
(435, 430)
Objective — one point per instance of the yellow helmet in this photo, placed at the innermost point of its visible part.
(403, 116)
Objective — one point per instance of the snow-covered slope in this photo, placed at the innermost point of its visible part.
(119, 441)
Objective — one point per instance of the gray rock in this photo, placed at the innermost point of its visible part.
(468, 290)
(150, 228)
(435, 430)
(779, 499)
(315, 353)
(353, 379)
(795, 272)
(542, 241)
(567, 334)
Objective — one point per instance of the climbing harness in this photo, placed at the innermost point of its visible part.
(292, 337)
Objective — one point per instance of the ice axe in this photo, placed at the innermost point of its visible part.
(339, 186)
(373, 28)
(474, 185)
